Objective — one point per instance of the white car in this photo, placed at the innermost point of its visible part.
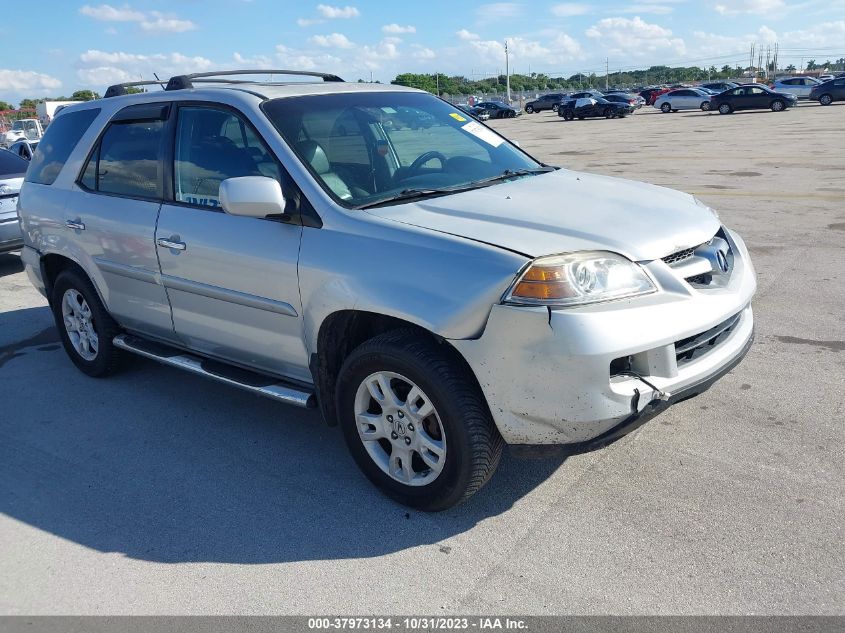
(24, 148)
(683, 99)
(799, 86)
(823, 78)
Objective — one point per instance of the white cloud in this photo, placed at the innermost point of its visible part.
(635, 37)
(423, 54)
(332, 13)
(99, 68)
(108, 13)
(159, 23)
(19, 81)
(151, 22)
(332, 40)
(398, 28)
(466, 36)
(569, 9)
(652, 8)
(759, 7)
(499, 11)
(308, 21)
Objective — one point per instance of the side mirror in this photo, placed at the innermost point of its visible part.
(252, 196)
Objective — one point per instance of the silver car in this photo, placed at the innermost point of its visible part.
(799, 86)
(683, 99)
(435, 292)
(12, 170)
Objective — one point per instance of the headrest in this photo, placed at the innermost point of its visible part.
(315, 155)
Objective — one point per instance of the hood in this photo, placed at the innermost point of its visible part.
(567, 211)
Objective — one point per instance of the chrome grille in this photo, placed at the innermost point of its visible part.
(692, 347)
(679, 256)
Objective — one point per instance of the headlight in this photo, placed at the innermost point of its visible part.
(578, 279)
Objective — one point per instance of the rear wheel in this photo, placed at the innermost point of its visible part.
(568, 115)
(705, 106)
(555, 107)
(725, 109)
(826, 100)
(778, 106)
(608, 113)
(415, 421)
(666, 108)
(84, 325)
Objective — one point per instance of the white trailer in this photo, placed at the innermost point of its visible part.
(46, 110)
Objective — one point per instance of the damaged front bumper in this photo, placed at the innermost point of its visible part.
(585, 376)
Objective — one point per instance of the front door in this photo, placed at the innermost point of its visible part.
(232, 281)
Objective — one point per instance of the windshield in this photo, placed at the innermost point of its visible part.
(365, 147)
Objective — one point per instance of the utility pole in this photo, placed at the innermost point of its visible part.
(751, 58)
(507, 74)
(606, 73)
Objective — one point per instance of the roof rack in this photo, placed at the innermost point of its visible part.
(185, 82)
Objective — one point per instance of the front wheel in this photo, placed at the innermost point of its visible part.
(529, 109)
(568, 115)
(415, 421)
(666, 108)
(85, 327)
(725, 109)
(555, 107)
(778, 106)
(825, 100)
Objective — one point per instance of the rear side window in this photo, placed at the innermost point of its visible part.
(58, 142)
(126, 160)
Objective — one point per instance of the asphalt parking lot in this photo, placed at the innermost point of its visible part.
(156, 492)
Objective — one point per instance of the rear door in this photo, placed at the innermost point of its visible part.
(839, 88)
(113, 214)
(232, 281)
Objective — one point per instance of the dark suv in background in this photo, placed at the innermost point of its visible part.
(829, 91)
(545, 102)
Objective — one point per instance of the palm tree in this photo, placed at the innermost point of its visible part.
(790, 68)
(811, 65)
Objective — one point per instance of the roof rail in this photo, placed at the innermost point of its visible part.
(120, 89)
(181, 82)
(184, 82)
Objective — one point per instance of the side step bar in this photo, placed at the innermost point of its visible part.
(235, 376)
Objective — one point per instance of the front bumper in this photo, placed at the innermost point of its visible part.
(546, 374)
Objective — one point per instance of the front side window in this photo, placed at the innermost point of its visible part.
(58, 142)
(126, 160)
(366, 147)
(211, 146)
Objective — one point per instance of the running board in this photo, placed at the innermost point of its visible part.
(254, 382)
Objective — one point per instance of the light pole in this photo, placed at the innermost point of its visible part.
(507, 74)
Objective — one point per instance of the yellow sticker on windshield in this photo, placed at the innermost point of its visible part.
(457, 116)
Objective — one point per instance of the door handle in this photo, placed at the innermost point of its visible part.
(171, 243)
(76, 225)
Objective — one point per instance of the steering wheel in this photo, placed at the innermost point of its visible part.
(423, 159)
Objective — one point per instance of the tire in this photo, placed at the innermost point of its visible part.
(568, 115)
(555, 107)
(86, 339)
(826, 100)
(529, 109)
(470, 442)
(666, 108)
(608, 114)
(725, 108)
(778, 106)
(580, 118)
(705, 106)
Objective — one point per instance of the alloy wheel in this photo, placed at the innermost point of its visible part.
(79, 324)
(400, 428)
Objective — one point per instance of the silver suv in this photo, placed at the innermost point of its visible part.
(432, 289)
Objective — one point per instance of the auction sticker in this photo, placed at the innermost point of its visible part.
(479, 131)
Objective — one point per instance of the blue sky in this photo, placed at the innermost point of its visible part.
(67, 45)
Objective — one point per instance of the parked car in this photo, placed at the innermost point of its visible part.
(544, 102)
(719, 86)
(23, 148)
(683, 99)
(635, 101)
(799, 86)
(479, 113)
(27, 129)
(752, 97)
(829, 91)
(587, 94)
(652, 94)
(12, 170)
(497, 109)
(591, 107)
(826, 77)
(434, 327)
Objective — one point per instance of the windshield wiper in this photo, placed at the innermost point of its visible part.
(421, 192)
